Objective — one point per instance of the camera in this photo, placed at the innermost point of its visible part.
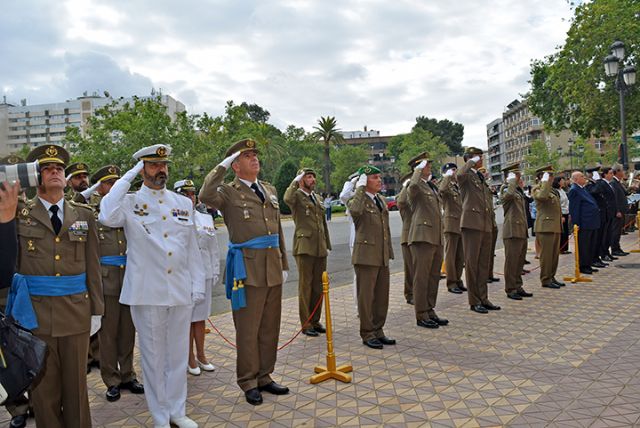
(27, 173)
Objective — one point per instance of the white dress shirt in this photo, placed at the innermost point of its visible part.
(60, 205)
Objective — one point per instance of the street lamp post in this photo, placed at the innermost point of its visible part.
(570, 144)
(625, 78)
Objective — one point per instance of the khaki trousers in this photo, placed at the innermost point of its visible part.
(408, 272)
(427, 259)
(476, 244)
(117, 338)
(453, 259)
(549, 254)
(310, 271)
(257, 331)
(373, 299)
(515, 252)
(60, 400)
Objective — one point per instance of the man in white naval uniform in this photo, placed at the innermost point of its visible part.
(164, 278)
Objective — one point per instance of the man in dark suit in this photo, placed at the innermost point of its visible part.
(607, 192)
(585, 213)
(621, 210)
(595, 191)
(9, 249)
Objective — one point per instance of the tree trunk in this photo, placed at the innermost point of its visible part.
(327, 167)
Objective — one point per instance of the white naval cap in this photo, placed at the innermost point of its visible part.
(184, 185)
(155, 153)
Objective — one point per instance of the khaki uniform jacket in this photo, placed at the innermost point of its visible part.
(549, 213)
(246, 218)
(426, 222)
(492, 211)
(515, 215)
(452, 204)
(475, 212)
(74, 251)
(311, 236)
(402, 200)
(372, 246)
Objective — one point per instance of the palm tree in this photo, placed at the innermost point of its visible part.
(328, 132)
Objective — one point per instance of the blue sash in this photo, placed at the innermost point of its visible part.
(236, 271)
(24, 286)
(113, 260)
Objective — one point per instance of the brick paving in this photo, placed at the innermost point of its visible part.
(568, 357)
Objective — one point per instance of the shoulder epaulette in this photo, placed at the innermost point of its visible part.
(80, 205)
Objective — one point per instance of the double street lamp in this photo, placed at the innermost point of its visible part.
(625, 78)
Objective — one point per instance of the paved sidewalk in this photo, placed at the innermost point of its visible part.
(568, 357)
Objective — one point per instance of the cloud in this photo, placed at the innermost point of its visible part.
(370, 62)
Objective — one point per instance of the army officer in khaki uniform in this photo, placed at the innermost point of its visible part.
(548, 226)
(452, 207)
(59, 272)
(371, 253)
(402, 199)
(514, 233)
(310, 244)
(252, 214)
(425, 242)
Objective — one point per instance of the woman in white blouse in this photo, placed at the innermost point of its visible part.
(208, 243)
(559, 184)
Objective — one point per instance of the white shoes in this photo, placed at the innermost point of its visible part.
(206, 367)
(184, 422)
(193, 371)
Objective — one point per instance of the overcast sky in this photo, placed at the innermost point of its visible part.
(375, 63)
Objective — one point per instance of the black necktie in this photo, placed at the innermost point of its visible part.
(375, 198)
(256, 189)
(312, 199)
(55, 220)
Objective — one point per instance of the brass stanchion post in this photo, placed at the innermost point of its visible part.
(577, 277)
(330, 371)
(638, 226)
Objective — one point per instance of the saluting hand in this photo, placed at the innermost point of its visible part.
(449, 172)
(299, 177)
(422, 164)
(511, 176)
(362, 180)
(229, 160)
(596, 175)
(545, 177)
(475, 159)
(8, 201)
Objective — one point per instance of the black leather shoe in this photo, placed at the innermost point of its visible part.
(494, 279)
(598, 265)
(133, 386)
(113, 394)
(607, 259)
(462, 287)
(490, 306)
(586, 271)
(479, 309)
(595, 270)
(556, 282)
(427, 324)
(274, 388)
(523, 293)
(386, 340)
(614, 258)
(455, 290)
(310, 332)
(514, 295)
(410, 301)
(550, 285)
(19, 421)
(619, 253)
(440, 321)
(253, 396)
(373, 343)
(320, 329)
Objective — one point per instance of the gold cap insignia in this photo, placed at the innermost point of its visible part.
(162, 151)
(51, 151)
(13, 159)
(251, 144)
(81, 166)
(112, 170)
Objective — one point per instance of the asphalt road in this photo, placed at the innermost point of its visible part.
(339, 260)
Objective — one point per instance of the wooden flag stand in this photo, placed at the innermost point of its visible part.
(638, 226)
(578, 277)
(330, 371)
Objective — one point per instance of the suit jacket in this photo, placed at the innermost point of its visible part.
(72, 252)
(426, 218)
(609, 196)
(583, 208)
(247, 217)
(475, 210)
(452, 204)
(515, 216)
(621, 196)
(402, 200)
(596, 192)
(372, 244)
(549, 213)
(311, 236)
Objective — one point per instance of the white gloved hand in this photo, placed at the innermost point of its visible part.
(362, 180)
(406, 182)
(285, 275)
(511, 176)
(475, 159)
(229, 160)
(197, 297)
(133, 172)
(449, 172)
(545, 177)
(354, 180)
(299, 177)
(96, 323)
(422, 164)
(86, 194)
(596, 176)
(429, 177)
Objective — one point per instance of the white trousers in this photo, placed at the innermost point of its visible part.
(163, 336)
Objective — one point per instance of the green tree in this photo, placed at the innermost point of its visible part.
(570, 89)
(286, 172)
(450, 133)
(406, 146)
(539, 155)
(347, 159)
(327, 131)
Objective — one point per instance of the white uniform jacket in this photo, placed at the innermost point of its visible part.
(164, 266)
(208, 243)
